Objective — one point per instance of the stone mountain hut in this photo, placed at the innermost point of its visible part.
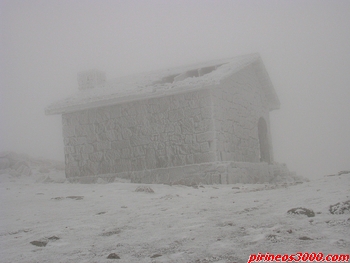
(206, 123)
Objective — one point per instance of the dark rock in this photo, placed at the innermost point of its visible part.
(39, 243)
(57, 198)
(113, 256)
(100, 213)
(53, 238)
(301, 211)
(340, 208)
(224, 224)
(111, 233)
(273, 238)
(156, 255)
(305, 238)
(145, 189)
(75, 197)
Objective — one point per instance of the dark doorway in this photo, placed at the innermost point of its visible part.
(263, 141)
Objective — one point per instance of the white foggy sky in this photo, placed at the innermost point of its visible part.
(305, 46)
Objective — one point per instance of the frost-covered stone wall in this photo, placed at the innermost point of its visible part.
(170, 131)
(239, 102)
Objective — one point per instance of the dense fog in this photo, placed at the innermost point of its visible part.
(303, 44)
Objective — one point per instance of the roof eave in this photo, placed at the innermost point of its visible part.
(266, 83)
(103, 102)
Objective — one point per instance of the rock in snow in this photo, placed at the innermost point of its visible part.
(301, 211)
(113, 256)
(39, 243)
(340, 208)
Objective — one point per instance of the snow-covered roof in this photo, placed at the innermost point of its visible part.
(161, 83)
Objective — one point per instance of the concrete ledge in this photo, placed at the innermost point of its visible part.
(207, 173)
(108, 178)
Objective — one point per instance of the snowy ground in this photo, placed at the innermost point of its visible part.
(220, 223)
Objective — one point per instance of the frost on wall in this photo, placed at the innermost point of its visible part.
(170, 131)
(238, 104)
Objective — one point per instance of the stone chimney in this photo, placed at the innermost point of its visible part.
(90, 79)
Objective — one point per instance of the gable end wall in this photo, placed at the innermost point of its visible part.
(239, 102)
